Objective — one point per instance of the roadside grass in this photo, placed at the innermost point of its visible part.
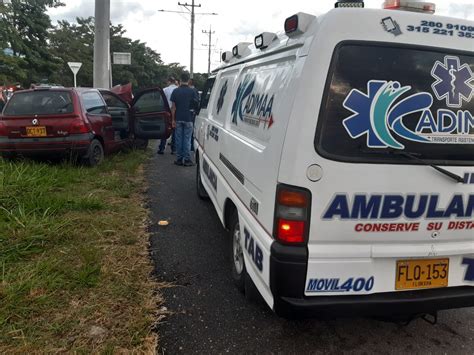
(74, 266)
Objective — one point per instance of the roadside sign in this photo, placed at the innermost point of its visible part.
(74, 66)
(122, 58)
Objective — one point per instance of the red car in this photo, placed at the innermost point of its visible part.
(81, 122)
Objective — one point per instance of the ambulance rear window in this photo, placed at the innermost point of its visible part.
(381, 99)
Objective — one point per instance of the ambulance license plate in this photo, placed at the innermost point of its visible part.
(39, 131)
(422, 273)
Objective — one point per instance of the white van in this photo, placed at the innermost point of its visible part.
(340, 156)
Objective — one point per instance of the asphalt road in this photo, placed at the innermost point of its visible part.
(210, 316)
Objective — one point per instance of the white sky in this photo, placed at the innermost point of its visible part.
(237, 21)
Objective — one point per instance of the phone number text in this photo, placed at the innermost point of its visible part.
(439, 28)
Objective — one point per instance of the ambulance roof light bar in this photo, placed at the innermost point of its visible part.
(298, 24)
(264, 39)
(227, 56)
(241, 49)
(349, 4)
(410, 5)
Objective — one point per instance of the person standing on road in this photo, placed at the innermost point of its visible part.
(168, 91)
(183, 100)
(193, 110)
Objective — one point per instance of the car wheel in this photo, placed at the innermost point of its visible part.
(239, 273)
(95, 153)
(201, 191)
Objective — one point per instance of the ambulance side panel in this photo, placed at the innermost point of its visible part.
(242, 144)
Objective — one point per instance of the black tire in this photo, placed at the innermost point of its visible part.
(95, 154)
(201, 191)
(239, 274)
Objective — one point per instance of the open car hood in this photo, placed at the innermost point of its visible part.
(124, 91)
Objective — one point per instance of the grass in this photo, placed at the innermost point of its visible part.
(74, 267)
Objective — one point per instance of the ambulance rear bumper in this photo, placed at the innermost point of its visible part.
(288, 268)
(381, 304)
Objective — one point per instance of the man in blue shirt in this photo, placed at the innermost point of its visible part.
(183, 100)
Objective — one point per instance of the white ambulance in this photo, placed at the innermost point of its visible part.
(340, 157)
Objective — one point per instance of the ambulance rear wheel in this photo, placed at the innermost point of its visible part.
(239, 272)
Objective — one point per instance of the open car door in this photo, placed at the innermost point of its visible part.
(151, 115)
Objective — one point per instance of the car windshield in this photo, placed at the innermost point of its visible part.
(39, 103)
(381, 98)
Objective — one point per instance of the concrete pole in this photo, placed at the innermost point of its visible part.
(102, 44)
(191, 66)
(209, 45)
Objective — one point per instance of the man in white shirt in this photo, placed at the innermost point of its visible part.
(168, 91)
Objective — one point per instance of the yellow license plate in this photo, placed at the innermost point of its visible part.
(422, 273)
(39, 131)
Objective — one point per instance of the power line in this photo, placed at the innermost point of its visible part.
(190, 9)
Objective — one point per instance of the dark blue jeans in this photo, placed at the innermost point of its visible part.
(183, 131)
(162, 146)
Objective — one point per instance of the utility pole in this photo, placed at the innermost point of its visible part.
(193, 17)
(190, 8)
(210, 33)
(102, 44)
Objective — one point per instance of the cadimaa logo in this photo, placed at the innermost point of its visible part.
(245, 89)
(376, 115)
(253, 106)
(381, 114)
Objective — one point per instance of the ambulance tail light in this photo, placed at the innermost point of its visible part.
(292, 215)
(298, 24)
(414, 6)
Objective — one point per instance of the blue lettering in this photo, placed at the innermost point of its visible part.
(338, 207)
(361, 209)
(251, 249)
(468, 122)
(442, 127)
(269, 109)
(455, 208)
(396, 206)
(470, 207)
(262, 106)
(254, 250)
(258, 257)
(392, 206)
(433, 212)
(420, 210)
(469, 276)
(312, 284)
(427, 121)
(320, 285)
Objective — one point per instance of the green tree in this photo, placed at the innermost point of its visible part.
(25, 30)
(73, 43)
(200, 80)
(12, 68)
